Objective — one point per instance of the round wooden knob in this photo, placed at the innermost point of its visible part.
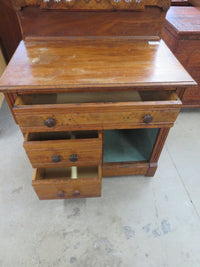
(73, 158)
(147, 119)
(56, 158)
(61, 193)
(76, 193)
(49, 122)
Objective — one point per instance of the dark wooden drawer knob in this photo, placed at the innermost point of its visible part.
(73, 158)
(61, 193)
(49, 122)
(76, 193)
(147, 119)
(56, 158)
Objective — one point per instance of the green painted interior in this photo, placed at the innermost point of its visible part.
(129, 145)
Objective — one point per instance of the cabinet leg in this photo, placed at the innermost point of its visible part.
(152, 169)
(10, 98)
(159, 144)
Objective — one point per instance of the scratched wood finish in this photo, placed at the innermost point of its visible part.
(90, 5)
(77, 65)
(48, 186)
(41, 153)
(147, 24)
(182, 35)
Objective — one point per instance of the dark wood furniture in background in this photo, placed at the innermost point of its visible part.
(195, 2)
(10, 34)
(94, 90)
(182, 34)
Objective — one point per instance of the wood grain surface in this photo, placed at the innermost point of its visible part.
(144, 25)
(184, 22)
(125, 168)
(41, 152)
(97, 116)
(75, 65)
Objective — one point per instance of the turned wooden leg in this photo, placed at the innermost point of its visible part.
(160, 141)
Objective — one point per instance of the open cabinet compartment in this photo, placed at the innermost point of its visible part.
(128, 151)
(129, 145)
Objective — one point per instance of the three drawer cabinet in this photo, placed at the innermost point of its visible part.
(95, 94)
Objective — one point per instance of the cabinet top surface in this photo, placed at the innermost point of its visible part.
(184, 20)
(108, 64)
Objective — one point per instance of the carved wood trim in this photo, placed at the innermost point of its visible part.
(91, 4)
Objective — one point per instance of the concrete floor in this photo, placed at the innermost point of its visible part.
(138, 221)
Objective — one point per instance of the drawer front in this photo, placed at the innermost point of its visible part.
(59, 153)
(125, 115)
(59, 188)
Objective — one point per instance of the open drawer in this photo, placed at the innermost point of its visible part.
(60, 183)
(96, 110)
(60, 149)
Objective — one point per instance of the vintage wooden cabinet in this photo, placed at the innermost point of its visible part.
(94, 90)
(182, 34)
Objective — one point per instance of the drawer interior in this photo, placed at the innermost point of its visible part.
(129, 145)
(96, 97)
(67, 173)
(47, 136)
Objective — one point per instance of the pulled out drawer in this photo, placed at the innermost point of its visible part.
(60, 149)
(96, 111)
(66, 182)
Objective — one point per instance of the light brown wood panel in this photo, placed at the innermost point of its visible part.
(124, 168)
(57, 184)
(57, 153)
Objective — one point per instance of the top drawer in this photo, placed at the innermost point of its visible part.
(96, 111)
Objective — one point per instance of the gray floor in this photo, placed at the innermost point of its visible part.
(138, 221)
